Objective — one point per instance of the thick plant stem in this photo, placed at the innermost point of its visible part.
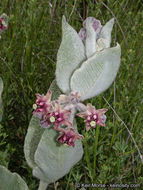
(72, 114)
(81, 107)
(42, 185)
(71, 107)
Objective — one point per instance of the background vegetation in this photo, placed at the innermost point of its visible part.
(28, 52)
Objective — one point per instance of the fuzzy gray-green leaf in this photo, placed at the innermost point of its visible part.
(35, 131)
(32, 139)
(11, 181)
(1, 106)
(55, 90)
(54, 160)
(97, 73)
(70, 55)
(106, 32)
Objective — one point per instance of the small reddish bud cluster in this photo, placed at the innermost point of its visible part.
(96, 24)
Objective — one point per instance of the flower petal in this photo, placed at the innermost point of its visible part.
(48, 96)
(90, 108)
(67, 123)
(63, 98)
(87, 128)
(82, 115)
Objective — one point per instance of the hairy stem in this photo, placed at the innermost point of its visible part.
(72, 108)
(81, 107)
(42, 185)
(72, 114)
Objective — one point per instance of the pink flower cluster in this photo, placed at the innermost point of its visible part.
(58, 113)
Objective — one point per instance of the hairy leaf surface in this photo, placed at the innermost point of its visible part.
(97, 73)
(35, 131)
(55, 160)
(11, 181)
(70, 55)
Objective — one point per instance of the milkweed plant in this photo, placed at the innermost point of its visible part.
(86, 66)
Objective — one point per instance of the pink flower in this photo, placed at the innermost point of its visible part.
(56, 117)
(43, 104)
(93, 116)
(2, 26)
(96, 24)
(69, 136)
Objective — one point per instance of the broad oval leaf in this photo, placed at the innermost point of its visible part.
(70, 54)
(97, 73)
(11, 181)
(54, 160)
(35, 131)
(1, 106)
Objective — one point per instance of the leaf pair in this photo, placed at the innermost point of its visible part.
(88, 76)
